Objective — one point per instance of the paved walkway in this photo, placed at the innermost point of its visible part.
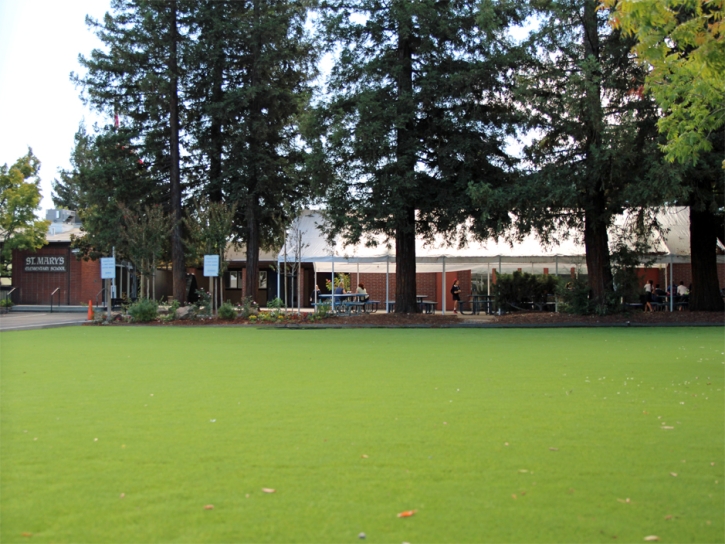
(22, 321)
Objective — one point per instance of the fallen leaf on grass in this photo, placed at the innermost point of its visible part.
(673, 474)
(513, 496)
(122, 495)
(668, 517)
(26, 534)
(268, 490)
(523, 470)
(364, 456)
(624, 500)
(209, 507)
(554, 449)
(667, 428)
(651, 538)
(407, 513)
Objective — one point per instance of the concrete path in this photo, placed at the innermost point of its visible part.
(22, 321)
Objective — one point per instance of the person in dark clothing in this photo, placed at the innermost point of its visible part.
(314, 297)
(456, 292)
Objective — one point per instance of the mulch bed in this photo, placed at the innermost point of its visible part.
(511, 319)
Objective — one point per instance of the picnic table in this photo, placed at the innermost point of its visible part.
(347, 303)
(477, 304)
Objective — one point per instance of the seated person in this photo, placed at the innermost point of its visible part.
(361, 291)
(339, 290)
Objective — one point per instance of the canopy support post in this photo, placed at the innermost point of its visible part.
(358, 275)
(488, 282)
(672, 291)
(387, 284)
(556, 297)
(443, 286)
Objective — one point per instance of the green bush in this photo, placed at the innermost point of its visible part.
(276, 303)
(144, 310)
(6, 303)
(513, 290)
(227, 311)
(249, 307)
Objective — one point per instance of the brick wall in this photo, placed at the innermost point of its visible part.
(681, 271)
(427, 283)
(78, 284)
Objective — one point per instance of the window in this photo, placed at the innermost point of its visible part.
(235, 279)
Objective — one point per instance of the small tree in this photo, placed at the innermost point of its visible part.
(146, 234)
(19, 198)
(209, 226)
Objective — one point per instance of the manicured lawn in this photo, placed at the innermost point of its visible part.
(567, 435)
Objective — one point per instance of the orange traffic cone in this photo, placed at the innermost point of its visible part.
(90, 311)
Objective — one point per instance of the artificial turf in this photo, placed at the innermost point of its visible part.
(567, 435)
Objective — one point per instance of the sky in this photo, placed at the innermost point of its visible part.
(40, 41)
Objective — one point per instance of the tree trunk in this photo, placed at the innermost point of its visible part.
(405, 280)
(705, 294)
(405, 286)
(250, 283)
(599, 268)
(596, 238)
(177, 247)
(216, 136)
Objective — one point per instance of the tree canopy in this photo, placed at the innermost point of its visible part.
(417, 111)
(682, 43)
(19, 200)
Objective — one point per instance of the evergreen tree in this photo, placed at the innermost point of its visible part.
(251, 68)
(109, 173)
(595, 151)
(137, 76)
(419, 112)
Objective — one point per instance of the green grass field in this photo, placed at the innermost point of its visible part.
(565, 435)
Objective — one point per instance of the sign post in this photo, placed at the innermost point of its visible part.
(108, 272)
(211, 270)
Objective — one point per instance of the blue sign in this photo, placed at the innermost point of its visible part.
(211, 265)
(108, 268)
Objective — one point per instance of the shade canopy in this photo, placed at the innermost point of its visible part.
(307, 243)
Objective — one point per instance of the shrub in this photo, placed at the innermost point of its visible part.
(6, 303)
(249, 307)
(275, 304)
(144, 310)
(515, 289)
(203, 305)
(323, 310)
(227, 311)
(252, 318)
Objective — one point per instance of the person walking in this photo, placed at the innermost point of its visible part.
(456, 292)
(648, 288)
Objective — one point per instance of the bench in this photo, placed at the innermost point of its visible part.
(353, 307)
(371, 306)
(429, 306)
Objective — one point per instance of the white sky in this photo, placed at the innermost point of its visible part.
(40, 41)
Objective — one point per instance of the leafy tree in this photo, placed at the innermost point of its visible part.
(249, 76)
(145, 233)
(137, 75)
(682, 42)
(418, 111)
(594, 151)
(682, 45)
(210, 226)
(19, 199)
